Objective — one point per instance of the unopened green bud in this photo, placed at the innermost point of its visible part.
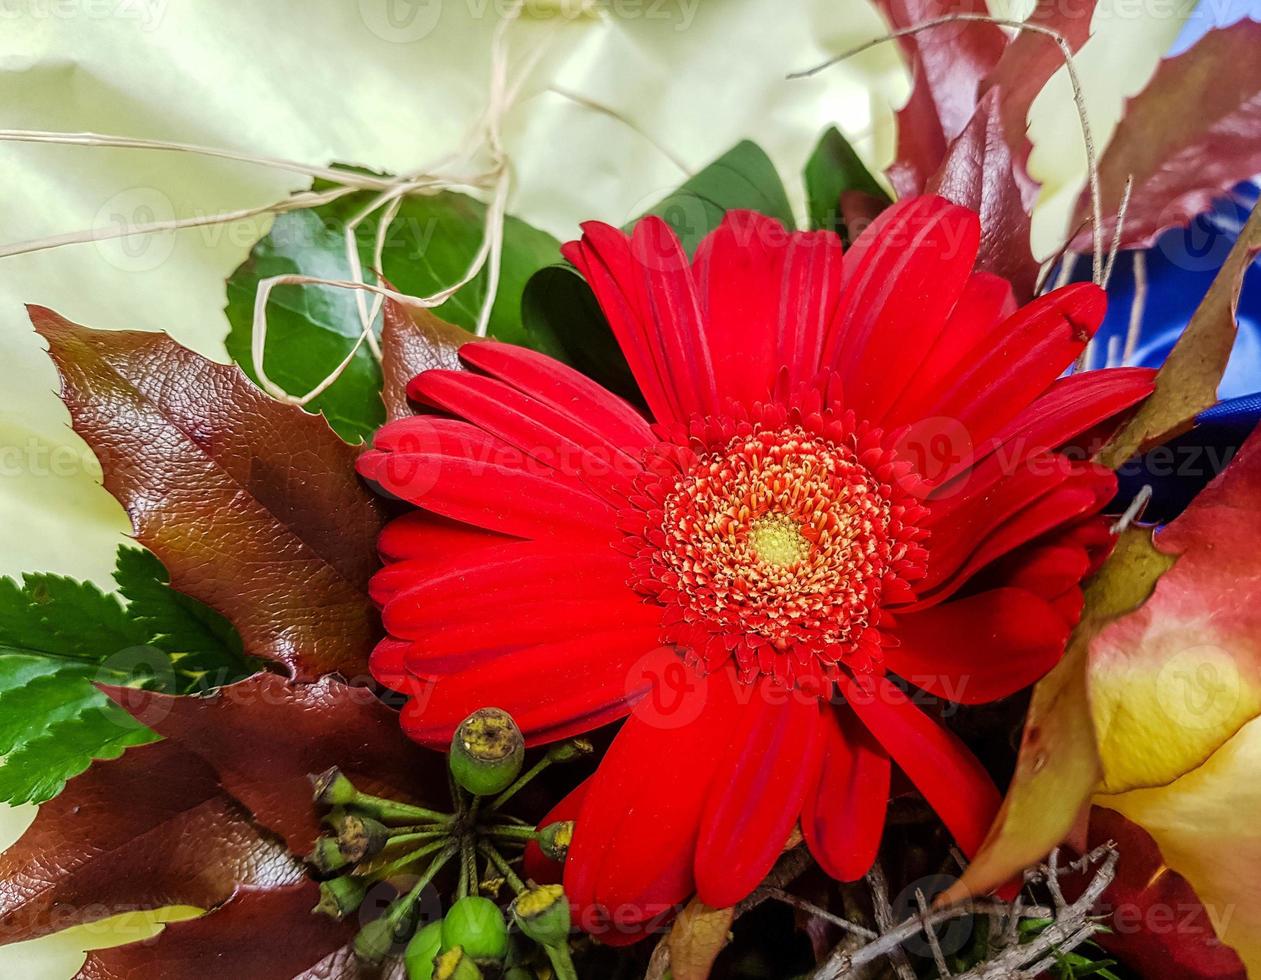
(327, 857)
(568, 751)
(361, 837)
(487, 751)
(420, 952)
(341, 896)
(454, 964)
(518, 973)
(542, 913)
(477, 926)
(554, 839)
(376, 940)
(332, 788)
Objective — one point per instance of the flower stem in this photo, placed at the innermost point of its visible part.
(393, 810)
(404, 905)
(412, 857)
(524, 778)
(505, 869)
(523, 834)
(562, 962)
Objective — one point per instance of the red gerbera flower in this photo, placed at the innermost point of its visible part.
(853, 473)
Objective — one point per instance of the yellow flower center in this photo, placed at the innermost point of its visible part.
(778, 541)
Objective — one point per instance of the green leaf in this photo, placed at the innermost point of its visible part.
(833, 168)
(310, 329)
(206, 649)
(559, 311)
(742, 178)
(57, 637)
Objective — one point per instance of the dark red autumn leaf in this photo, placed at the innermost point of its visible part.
(252, 505)
(413, 341)
(258, 935)
(979, 174)
(1158, 926)
(150, 829)
(948, 64)
(1025, 68)
(1190, 135)
(265, 735)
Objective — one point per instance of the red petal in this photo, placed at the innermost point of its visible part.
(537, 865)
(843, 819)
(811, 297)
(676, 315)
(985, 302)
(1069, 407)
(739, 268)
(962, 521)
(635, 837)
(605, 258)
(902, 277)
(950, 778)
(980, 648)
(552, 690)
(420, 535)
(558, 443)
(503, 578)
(771, 762)
(1037, 343)
(509, 499)
(564, 389)
(1078, 497)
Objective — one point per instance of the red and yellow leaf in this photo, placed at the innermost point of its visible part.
(258, 934)
(151, 829)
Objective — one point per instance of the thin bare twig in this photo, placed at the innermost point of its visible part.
(1138, 306)
(1122, 209)
(879, 886)
(1069, 927)
(779, 895)
(930, 933)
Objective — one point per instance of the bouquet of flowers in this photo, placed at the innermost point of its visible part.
(705, 596)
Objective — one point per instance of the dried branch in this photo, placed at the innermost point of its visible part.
(1071, 925)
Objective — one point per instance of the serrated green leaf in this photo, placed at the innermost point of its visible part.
(76, 724)
(430, 245)
(55, 616)
(59, 637)
(207, 650)
(832, 169)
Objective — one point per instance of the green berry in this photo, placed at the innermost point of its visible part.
(554, 839)
(542, 913)
(477, 925)
(376, 940)
(422, 950)
(455, 964)
(486, 752)
(327, 856)
(332, 788)
(341, 896)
